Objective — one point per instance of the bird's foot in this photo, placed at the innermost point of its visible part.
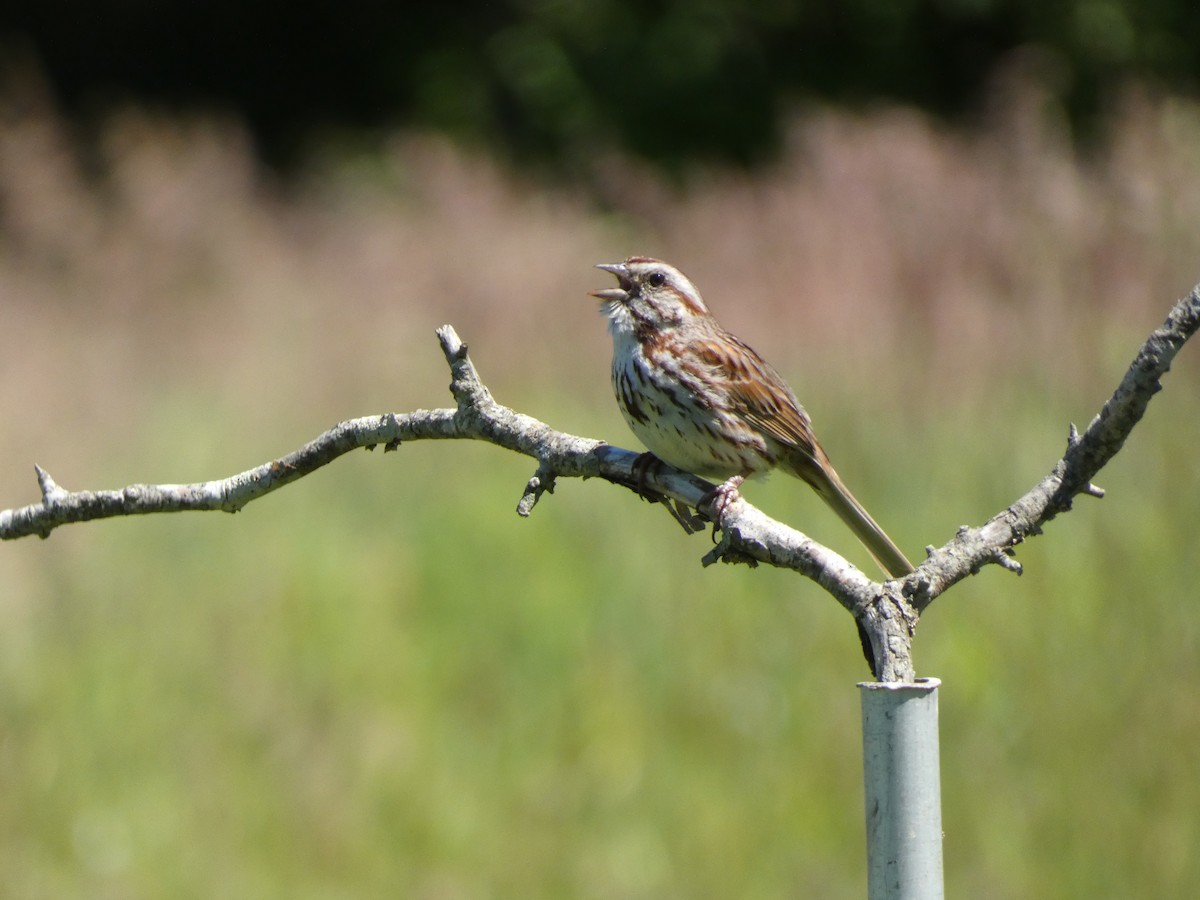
(642, 467)
(722, 495)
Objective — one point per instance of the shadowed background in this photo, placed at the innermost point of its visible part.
(381, 682)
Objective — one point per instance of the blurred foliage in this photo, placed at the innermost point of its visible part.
(566, 82)
(381, 683)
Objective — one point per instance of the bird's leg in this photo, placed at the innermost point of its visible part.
(722, 495)
(642, 467)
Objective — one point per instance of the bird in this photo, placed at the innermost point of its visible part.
(705, 402)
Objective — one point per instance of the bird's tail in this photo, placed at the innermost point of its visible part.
(821, 475)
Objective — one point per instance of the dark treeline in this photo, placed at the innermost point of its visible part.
(557, 81)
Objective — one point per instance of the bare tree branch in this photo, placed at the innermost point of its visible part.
(1072, 475)
(887, 612)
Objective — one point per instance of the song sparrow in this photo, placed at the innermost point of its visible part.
(705, 402)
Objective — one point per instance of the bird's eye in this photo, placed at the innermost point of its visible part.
(656, 279)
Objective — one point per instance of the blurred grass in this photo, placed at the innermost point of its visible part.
(381, 682)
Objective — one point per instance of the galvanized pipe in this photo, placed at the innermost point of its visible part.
(902, 790)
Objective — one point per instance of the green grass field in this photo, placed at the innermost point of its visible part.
(380, 682)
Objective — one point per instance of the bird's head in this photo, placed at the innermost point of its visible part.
(649, 294)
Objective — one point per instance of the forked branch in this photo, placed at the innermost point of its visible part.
(887, 612)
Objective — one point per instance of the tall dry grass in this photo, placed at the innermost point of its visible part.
(888, 235)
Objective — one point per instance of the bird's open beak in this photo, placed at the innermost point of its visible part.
(618, 294)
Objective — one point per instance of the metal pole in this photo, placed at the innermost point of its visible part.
(903, 790)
